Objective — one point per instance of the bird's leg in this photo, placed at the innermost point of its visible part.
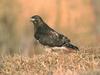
(56, 49)
(52, 49)
(48, 50)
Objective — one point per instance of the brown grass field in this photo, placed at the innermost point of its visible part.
(84, 62)
(78, 19)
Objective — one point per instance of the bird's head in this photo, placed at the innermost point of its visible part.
(36, 20)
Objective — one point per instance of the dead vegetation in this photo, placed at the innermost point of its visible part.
(85, 62)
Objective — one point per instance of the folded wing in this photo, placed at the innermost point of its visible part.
(51, 38)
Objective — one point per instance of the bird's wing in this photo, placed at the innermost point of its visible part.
(52, 39)
(61, 36)
(58, 35)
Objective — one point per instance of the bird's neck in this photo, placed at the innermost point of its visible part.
(37, 26)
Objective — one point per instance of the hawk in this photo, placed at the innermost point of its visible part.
(48, 36)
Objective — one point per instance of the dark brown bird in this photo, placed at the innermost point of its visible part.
(48, 36)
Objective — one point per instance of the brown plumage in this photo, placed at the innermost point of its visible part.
(48, 36)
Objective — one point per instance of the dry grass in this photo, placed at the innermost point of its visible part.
(85, 62)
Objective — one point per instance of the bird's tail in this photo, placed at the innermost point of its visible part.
(71, 46)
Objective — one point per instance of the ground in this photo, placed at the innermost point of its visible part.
(84, 62)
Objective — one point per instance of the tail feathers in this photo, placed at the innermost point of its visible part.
(68, 45)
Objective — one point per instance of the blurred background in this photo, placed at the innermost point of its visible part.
(77, 19)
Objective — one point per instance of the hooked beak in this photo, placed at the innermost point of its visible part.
(32, 19)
